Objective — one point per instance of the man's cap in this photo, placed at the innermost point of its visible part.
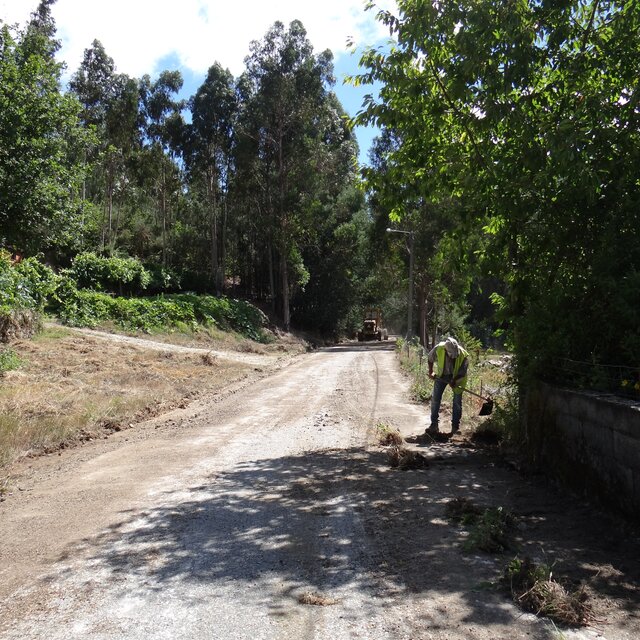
(452, 347)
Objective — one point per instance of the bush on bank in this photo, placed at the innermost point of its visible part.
(28, 287)
(83, 308)
(24, 290)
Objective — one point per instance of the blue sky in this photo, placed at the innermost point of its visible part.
(148, 36)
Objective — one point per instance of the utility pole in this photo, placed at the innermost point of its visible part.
(410, 294)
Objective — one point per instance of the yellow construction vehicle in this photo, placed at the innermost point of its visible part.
(372, 328)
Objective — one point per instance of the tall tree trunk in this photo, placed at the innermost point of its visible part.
(272, 277)
(225, 219)
(435, 323)
(114, 237)
(213, 202)
(422, 313)
(284, 273)
(163, 207)
(103, 244)
(107, 237)
(284, 270)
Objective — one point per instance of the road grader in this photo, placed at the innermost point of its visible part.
(372, 328)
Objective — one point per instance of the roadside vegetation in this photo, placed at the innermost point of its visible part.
(63, 388)
(59, 388)
(509, 144)
(533, 587)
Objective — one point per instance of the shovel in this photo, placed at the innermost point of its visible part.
(487, 405)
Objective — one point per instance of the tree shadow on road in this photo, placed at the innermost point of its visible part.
(334, 519)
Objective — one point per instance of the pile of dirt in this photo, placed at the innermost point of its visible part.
(429, 437)
(487, 436)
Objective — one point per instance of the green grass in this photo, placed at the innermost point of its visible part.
(9, 360)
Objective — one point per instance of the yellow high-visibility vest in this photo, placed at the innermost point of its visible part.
(462, 354)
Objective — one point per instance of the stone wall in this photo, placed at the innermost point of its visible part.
(590, 441)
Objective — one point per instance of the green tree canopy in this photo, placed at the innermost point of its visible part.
(525, 113)
(40, 138)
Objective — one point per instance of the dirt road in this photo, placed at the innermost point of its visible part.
(225, 520)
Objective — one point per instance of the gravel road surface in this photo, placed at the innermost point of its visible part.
(268, 514)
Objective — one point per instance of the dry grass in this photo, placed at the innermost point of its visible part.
(209, 359)
(316, 599)
(74, 387)
(535, 590)
(388, 437)
(213, 338)
(402, 458)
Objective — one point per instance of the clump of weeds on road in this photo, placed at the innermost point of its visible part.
(534, 589)
(490, 531)
(316, 599)
(462, 510)
(403, 458)
(388, 436)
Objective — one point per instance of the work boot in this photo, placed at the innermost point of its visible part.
(455, 430)
(432, 430)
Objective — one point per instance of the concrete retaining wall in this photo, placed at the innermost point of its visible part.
(590, 441)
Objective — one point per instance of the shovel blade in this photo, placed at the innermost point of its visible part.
(487, 408)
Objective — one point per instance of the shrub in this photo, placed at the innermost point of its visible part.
(24, 289)
(77, 307)
(162, 279)
(117, 275)
(26, 285)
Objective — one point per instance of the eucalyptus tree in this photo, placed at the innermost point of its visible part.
(284, 88)
(209, 159)
(40, 135)
(110, 108)
(527, 114)
(334, 225)
(163, 129)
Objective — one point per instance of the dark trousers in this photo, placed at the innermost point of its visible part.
(439, 386)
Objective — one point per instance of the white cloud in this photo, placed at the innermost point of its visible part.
(138, 34)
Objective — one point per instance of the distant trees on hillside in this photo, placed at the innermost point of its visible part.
(248, 186)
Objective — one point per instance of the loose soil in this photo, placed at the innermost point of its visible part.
(221, 518)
